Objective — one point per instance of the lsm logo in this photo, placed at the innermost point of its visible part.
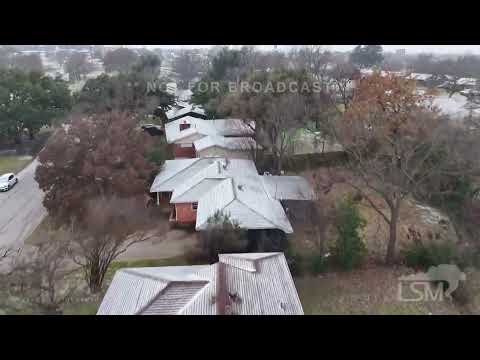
(446, 276)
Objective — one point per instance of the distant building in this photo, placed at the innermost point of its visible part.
(401, 52)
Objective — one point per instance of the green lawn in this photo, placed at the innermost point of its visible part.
(12, 163)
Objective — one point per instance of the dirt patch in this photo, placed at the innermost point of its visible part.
(175, 242)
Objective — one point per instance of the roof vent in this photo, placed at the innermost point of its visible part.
(240, 187)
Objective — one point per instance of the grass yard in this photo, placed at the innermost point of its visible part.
(369, 291)
(90, 307)
(12, 163)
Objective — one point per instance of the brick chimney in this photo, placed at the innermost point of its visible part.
(184, 126)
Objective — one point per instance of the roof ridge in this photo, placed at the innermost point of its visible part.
(185, 168)
(255, 211)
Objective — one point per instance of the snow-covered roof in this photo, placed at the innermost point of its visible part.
(467, 81)
(234, 187)
(201, 127)
(288, 187)
(193, 188)
(232, 143)
(245, 200)
(418, 76)
(243, 284)
(176, 113)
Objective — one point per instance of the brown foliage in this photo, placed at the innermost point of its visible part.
(98, 156)
(391, 134)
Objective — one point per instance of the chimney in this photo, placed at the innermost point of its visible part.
(221, 295)
(184, 126)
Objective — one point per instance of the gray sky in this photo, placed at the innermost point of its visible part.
(413, 49)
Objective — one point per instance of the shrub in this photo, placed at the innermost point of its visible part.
(221, 236)
(349, 251)
(420, 255)
(295, 263)
(317, 264)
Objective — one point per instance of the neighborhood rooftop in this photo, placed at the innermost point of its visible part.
(239, 284)
(234, 187)
(199, 128)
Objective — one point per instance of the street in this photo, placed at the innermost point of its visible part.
(21, 209)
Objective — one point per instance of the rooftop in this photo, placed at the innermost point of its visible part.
(240, 284)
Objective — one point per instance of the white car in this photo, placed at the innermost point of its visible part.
(7, 181)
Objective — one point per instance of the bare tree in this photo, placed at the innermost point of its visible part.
(109, 228)
(342, 77)
(37, 279)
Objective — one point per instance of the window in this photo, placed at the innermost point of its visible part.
(194, 206)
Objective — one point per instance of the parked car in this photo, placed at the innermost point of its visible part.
(7, 181)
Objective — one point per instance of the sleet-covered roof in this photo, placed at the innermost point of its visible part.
(239, 284)
(245, 201)
(193, 188)
(288, 187)
(230, 143)
(217, 127)
(187, 109)
(234, 187)
(175, 173)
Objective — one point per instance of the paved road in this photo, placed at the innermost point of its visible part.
(21, 209)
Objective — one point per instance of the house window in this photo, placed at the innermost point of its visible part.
(194, 206)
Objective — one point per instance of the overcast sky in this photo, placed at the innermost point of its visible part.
(414, 49)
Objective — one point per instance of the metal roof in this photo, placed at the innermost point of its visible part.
(288, 187)
(234, 187)
(232, 143)
(189, 108)
(244, 199)
(193, 188)
(239, 284)
(217, 127)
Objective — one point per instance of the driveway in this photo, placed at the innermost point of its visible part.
(21, 209)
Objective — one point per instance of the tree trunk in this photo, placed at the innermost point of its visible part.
(95, 279)
(390, 259)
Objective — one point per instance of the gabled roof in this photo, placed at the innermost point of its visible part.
(232, 143)
(217, 127)
(243, 284)
(288, 187)
(193, 188)
(176, 172)
(189, 108)
(418, 76)
(244, 199)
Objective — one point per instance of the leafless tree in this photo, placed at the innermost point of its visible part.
(110, 227)
(37, 278)
(342, 78)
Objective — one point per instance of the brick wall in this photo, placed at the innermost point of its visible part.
(185, 213)
(185, 152)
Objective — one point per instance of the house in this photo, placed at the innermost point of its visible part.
(421, 79)
(183, 133)
(187, 110)
(238, 284)
(198, 188)
(231, 147)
